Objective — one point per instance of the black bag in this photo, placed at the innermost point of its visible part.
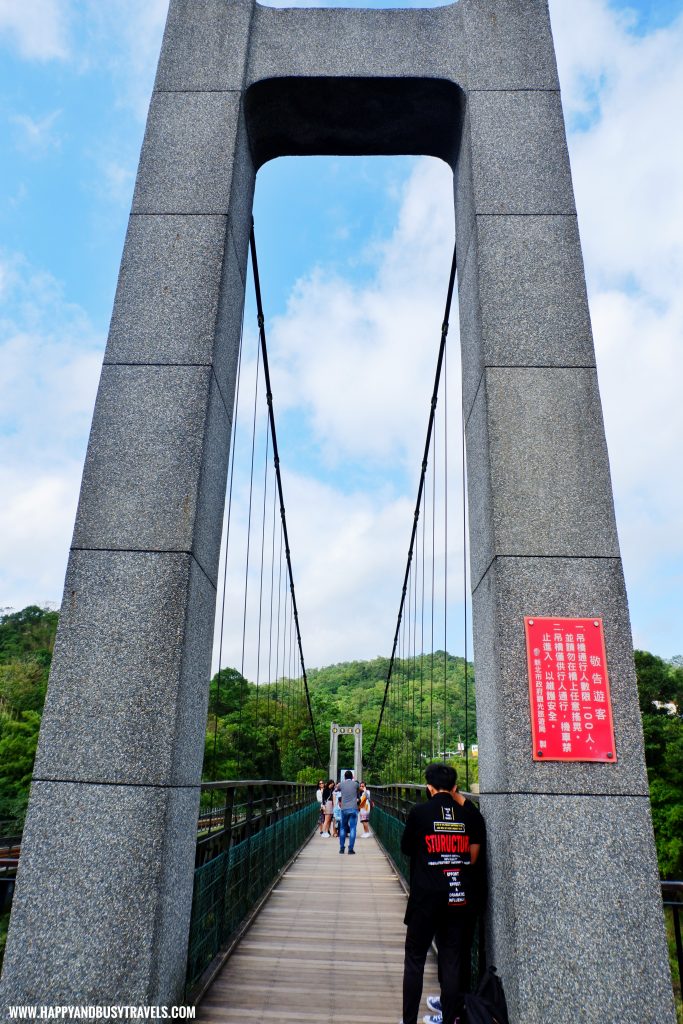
(487, 1005)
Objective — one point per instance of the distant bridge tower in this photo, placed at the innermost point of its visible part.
(347, 730)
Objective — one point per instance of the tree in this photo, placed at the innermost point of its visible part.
(18, 742)
(661, 682)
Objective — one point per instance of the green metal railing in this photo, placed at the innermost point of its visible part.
(247, 832)
(392, 804)
(672, 898)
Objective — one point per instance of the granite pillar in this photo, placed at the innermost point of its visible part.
(101, 912)
(334, 750)
(575, 922)
(102, 907)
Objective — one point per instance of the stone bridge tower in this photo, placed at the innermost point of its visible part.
(102, 908)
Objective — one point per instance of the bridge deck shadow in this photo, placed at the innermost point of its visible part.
(326, 947)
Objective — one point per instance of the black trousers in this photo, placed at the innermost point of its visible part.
(453, 930)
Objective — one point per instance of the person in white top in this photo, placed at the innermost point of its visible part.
(364, 806)
(319, 798)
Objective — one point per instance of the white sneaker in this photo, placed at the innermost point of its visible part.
(325, 834)
(433, 1018)
(367, 835)
(434, 1003)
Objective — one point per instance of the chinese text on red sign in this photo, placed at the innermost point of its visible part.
(571, 710)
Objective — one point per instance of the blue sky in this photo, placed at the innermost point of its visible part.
(353, 248)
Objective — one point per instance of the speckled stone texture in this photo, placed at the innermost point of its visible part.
(103, 902)
(523, 297)
(576, 924)
(155, 470)
(520, 163)
(575, 933)
(513, 588)
(508, 47)
(188, 153)
(327, 42)
(542, 455)
(127, 702)
(205, 46)
(167, 295)
(101, 913)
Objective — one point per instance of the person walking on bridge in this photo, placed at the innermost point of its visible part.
(364, 806)
(328, 807)
(348, 788)
(443, 839)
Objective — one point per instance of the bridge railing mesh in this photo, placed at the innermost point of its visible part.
(389, 814)
(247, 833)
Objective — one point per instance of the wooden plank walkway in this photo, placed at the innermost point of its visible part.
(326, 948)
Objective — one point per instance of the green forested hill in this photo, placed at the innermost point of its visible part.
(26, 642)
(267, 734)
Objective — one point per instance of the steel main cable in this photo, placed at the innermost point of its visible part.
(278, 477)
(416, 515)
(233, 445)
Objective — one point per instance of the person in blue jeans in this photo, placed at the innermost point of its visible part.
(348, 788)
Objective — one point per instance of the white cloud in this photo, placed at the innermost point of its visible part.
(355, 361)
(37, 135)
(125, 37)
(623, 94)
(37, 27)
(627, 163)
(349, 554)
(361, 360)
(358, 359)
(353, 365)
(117, 182)
(49, 367)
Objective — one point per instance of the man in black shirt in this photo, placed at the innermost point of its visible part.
(443, 838)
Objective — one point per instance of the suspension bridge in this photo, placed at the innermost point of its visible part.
(157, 868)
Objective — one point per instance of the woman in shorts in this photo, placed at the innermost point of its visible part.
(364, 805)
(319, 798)
(328, 806)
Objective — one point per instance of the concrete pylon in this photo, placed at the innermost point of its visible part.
(334, 750)
(102, 907)
(358, 751)
(356, 731)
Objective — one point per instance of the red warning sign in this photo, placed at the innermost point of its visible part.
(571, 710)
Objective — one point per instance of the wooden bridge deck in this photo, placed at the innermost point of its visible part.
(326, 947)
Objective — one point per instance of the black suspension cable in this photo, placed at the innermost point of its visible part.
(415, 576)
(403, 677)
(276, 460)
(260, 593)
(233, 445)
(416, 515)
(246, 568)
(270, 627)
(283, 663)
(410, 667)
(464, 600)
(289, 676)
(431, 676)
(277, 639)
(445, 548)
(422, 632)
